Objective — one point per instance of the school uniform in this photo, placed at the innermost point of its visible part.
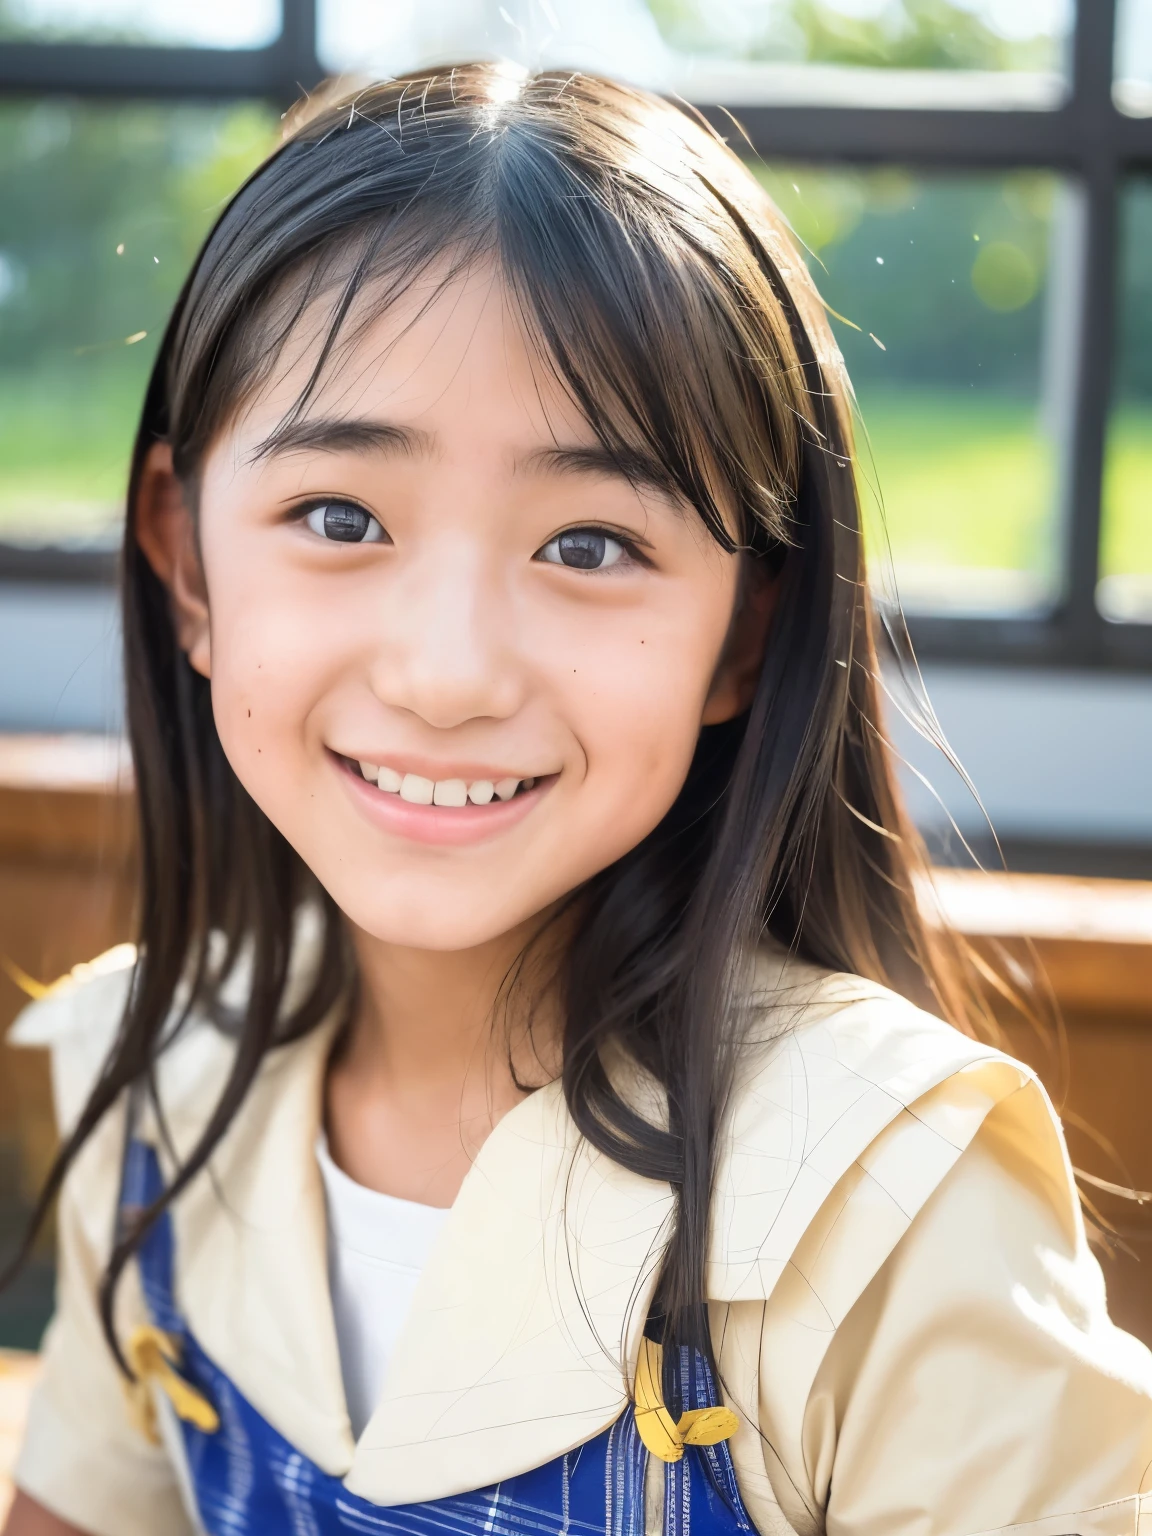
(910, 1330)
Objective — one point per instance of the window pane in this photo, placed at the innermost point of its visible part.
(192, 23)
(1000, 52)
(940, 283)
(101, 212)
(617, 37)
(1133, 69)
(1125, 591)
(1023, 42)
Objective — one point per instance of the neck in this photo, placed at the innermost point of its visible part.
(428, 1015)
(437, 1053)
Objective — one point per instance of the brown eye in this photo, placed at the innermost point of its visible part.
(343, 522)
(583, 549)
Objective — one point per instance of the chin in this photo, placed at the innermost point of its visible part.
(434, 922)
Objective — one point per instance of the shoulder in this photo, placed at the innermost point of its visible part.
(77, 1019)
(842, 1056)
(901, 1279)
(844, 1079)
(846, 1028)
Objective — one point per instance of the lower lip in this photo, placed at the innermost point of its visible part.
(445, 826)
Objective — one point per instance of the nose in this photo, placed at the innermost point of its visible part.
(449, 653)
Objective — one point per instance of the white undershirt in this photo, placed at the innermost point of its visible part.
(377, 1247)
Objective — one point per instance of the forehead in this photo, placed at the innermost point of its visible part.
(449, 354)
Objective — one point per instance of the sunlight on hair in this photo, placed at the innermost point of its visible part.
(506, 82)
(657, 155)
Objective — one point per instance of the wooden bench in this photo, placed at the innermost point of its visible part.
(1093, 942)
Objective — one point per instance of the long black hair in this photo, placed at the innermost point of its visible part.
(659, 284)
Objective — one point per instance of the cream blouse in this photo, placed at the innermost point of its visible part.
(907, 1319)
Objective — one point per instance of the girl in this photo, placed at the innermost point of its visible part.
(531, 1108)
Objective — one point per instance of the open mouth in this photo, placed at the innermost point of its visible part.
(414, 789)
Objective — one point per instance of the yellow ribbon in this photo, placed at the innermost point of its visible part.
(27, 984)
(152, 1354)
(114, 959)
(664, 1436)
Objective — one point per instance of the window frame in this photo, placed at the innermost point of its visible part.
(1087, 140)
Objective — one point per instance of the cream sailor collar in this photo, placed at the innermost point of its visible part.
(527, 1319)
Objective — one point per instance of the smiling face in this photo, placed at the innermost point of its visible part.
(434, 577)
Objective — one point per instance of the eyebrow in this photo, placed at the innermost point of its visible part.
(639, 469)
(345, 435)
(357, 435)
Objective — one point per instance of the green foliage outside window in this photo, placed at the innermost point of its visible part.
(1126, 552)
(936, 289)
(101, 211)
(907, 34)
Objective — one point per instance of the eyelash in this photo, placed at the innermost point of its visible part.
(629, 551)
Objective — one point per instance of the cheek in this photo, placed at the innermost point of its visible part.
(268, 665)
(636, 699)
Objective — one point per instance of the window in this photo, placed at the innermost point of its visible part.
(936, 286)
(214, 24)
(886, 52)
(971, 177)
(87, 277)
(1125, 592)
(733, 50)
(1132, 88)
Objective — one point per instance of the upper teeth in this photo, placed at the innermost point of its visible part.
(421, 791)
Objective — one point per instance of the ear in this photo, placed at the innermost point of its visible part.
(166, 532)
(734, 681)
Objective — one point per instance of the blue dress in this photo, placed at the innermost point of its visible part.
(246, 1477)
